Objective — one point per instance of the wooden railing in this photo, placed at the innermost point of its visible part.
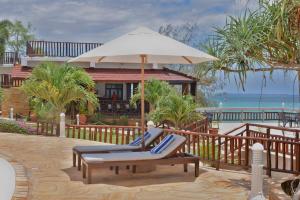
(279, 148)
(118, 107)
(6, 81)
(47, 129)
(58, 49)
(282, 153)
(9, 58)
(236, 150)
(198, 126)
(103, 133)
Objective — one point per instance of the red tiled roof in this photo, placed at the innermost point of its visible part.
(117, 75)
(20, 72)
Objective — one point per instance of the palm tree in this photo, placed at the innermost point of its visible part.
(176, 109)
(264, 40)
(154, 90)
(53, 87)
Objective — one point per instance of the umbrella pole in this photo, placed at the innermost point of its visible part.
(143, 58)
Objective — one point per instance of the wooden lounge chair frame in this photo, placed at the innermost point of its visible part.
(172, 159)
(77, 154)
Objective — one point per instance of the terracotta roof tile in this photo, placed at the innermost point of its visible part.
(117, 75)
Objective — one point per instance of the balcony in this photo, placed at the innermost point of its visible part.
(58, 49)
(9, 58)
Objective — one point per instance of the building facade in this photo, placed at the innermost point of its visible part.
(115, 83)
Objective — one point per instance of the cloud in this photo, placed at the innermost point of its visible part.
(100, 21)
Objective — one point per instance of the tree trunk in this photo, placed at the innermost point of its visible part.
(298, 87)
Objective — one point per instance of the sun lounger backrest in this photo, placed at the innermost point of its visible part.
(150, 136)
(174, 146)
(154, 134)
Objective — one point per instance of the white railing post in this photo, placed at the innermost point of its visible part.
(242, 116)
(137, 127)
(77, 120)
(11, 113)
(62, 125)
(257, 173)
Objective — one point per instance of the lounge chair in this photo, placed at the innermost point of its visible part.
(155, 133)
(168, 155)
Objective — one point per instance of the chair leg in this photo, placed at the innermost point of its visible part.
(185, 167)
(117, 170)
(83, 171)
(134, 169)
(79, 162)
(128, 167)
(89, 175)
(74, 159)
(196, 168)
(111, 167)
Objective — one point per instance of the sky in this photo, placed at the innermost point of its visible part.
(103, 20)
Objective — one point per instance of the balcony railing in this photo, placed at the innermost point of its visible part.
(9, 58)
(58, 49)
(117, 107)
(5, 80)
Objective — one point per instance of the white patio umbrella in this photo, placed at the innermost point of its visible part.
(144, 46)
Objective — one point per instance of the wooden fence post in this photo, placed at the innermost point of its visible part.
(219, 154)
(269, 164)
(297, 148)
(247, 146)
(37, 127)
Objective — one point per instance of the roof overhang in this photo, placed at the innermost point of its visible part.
(119, 75)
(26, 59)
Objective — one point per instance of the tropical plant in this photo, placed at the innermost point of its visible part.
(4, 34)
(154, 90)
(176, 109)
(52, 87)
(264, 40)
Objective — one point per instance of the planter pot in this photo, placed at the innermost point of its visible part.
(82, 119)
(213, 131)
(33, 118)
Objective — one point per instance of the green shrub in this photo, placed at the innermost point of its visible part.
(95, 118)
(12, 127)
(123, 120)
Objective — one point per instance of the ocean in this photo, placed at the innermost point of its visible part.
(227, 100)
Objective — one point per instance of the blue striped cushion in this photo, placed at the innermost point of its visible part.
(163, 144)
(139, 139)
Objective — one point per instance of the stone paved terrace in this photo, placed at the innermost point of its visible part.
(48, 164)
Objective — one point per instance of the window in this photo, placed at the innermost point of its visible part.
(116, 89)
